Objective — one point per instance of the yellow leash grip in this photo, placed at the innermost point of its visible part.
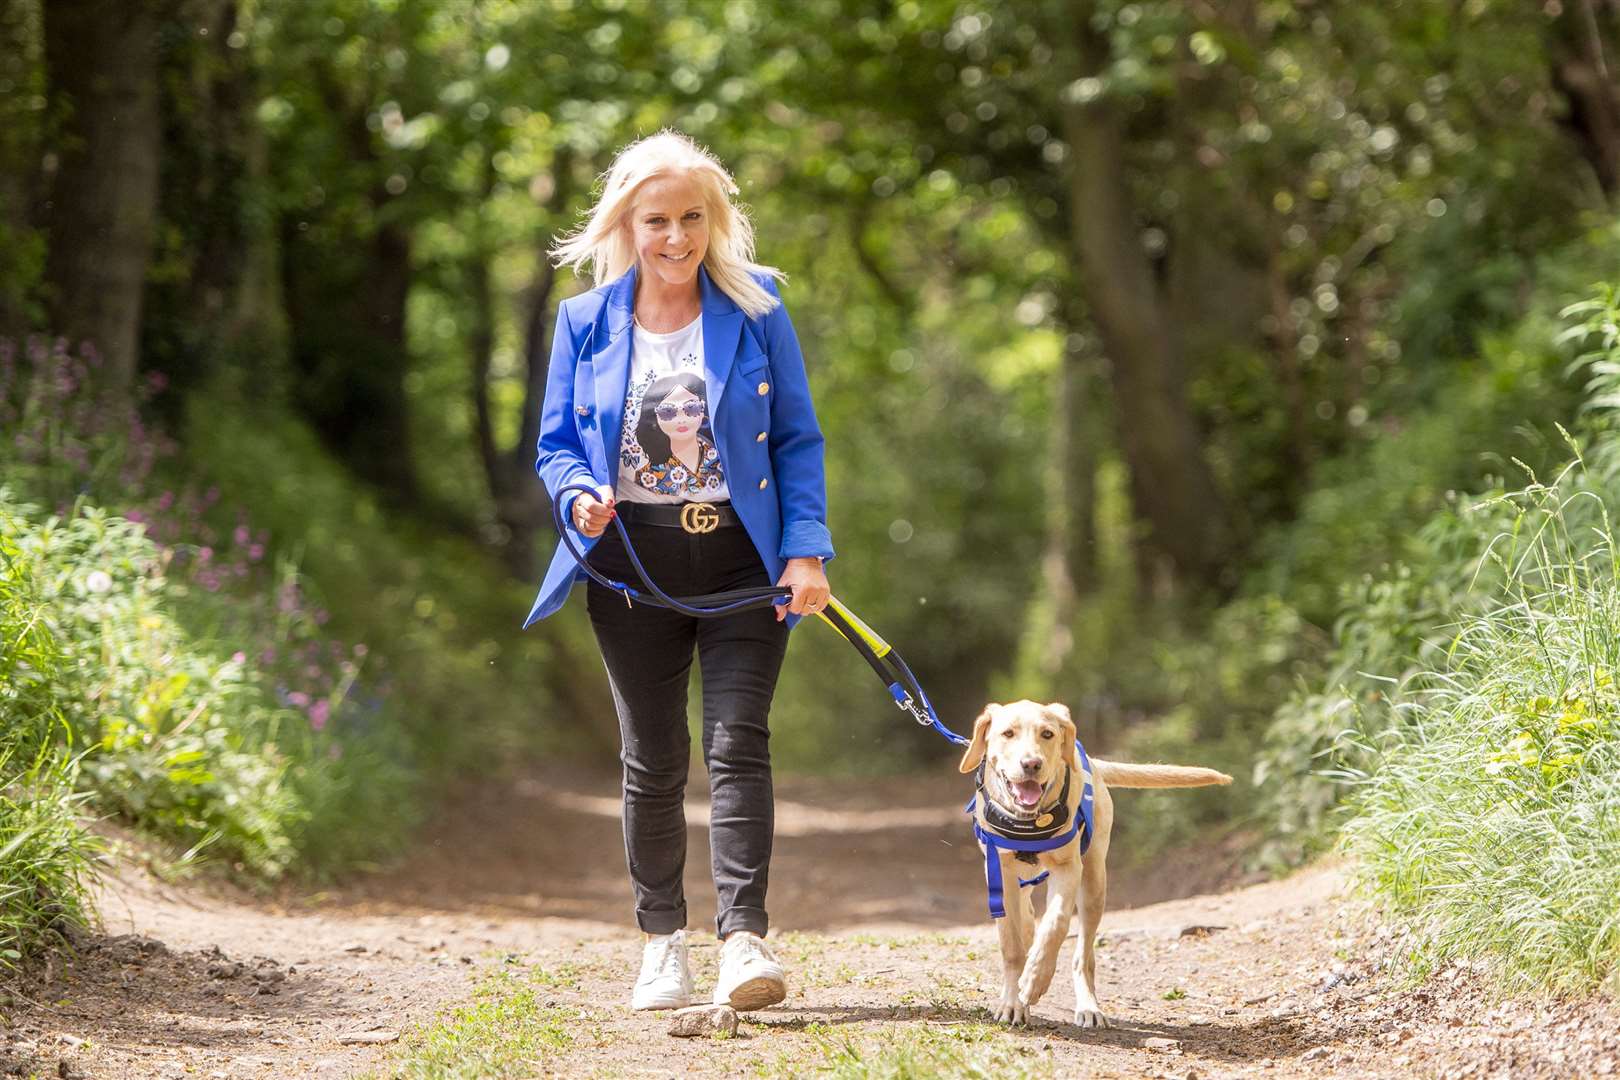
(878, 646)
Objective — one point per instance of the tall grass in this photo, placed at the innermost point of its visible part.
(1488, 814)
(43, 852)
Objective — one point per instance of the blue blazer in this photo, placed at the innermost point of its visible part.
(759, 408)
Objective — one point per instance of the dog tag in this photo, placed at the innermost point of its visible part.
(1043, 821)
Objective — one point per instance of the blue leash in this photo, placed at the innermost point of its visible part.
(718, 604)
(902, 685)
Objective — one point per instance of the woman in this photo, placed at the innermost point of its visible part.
(685, 325)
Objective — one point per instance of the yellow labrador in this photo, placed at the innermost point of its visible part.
(1027, 750)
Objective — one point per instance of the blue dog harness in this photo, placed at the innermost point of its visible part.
(1007, 833)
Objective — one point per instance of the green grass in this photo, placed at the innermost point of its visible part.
(958, 1052)
(508, 1030)
(905, 941)
(1491, 819)
(44, 854)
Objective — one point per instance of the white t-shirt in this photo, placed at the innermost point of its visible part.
(667, 451)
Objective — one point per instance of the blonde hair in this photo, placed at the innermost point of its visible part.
(604, 243)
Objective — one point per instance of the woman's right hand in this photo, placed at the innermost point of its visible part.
(593, 512)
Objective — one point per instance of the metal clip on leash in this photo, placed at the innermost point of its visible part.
(890, 667)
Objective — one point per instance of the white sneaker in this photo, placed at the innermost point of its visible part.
(665, 981)
(750, 975)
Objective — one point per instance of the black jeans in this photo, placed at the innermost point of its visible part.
(648, 653)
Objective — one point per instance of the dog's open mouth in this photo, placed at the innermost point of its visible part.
(1027, 793)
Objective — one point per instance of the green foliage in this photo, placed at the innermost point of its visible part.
(1468, 704)
(43, 851)
(506, 1031)
(1345, 209)
(459, 689)
(1488, 816)
(213, 707)
(976, 1051)
(22, 123)
(939, 448)
(1296, 173)
(151, 714)
(1398, 619)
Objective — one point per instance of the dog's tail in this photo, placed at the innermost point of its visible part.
(1121, 775)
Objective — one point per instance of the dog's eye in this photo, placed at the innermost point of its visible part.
(1047, 734)
(1009, 733)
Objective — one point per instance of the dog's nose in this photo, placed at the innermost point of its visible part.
(1032, 765)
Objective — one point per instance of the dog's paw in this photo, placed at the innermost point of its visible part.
(1032, 987)
(1012, 1012)
(1091, 1018)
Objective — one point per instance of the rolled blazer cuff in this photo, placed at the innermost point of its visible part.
(804, 539)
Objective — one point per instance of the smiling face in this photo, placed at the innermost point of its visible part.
(669, 226)
(1024, 747)
(679, 414)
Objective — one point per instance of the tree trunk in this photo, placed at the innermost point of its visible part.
(521, 502)
(481, 344)
(521, 505)
(1285, 349)
(346, 309)
(101, 61)
(20, 132)
(1586, 67)
(1172, 487)
(201, 314)
(537, 357)
(1069, 562)
(345, 288)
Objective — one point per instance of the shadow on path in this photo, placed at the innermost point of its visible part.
(1224, 1041)
(847, 853)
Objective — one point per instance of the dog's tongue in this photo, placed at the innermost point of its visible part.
(1028, 792)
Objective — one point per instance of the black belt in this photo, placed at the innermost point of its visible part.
(694, 517)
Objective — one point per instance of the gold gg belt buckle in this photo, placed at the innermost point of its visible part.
(699, 518)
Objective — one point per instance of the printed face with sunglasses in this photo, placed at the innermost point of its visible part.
(669, 450)
(680, 415)
(692, 410)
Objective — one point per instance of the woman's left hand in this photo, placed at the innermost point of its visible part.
(809, 584)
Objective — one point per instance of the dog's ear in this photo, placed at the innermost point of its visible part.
(1069, 734)
(981, 735)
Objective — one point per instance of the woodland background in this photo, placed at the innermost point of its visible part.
(1176, 359)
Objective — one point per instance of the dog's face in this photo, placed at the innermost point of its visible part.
(1024, 747)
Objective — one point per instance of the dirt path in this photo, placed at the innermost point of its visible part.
(878, 909)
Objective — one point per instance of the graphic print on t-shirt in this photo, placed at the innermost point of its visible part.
(668, 444)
